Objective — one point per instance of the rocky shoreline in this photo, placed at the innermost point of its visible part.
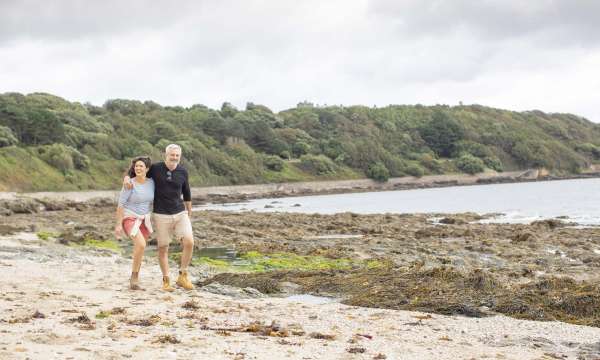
(450, 268)
(13, 202)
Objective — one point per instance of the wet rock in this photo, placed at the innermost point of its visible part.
(234, 292)
(549, 223)
(67, 236)
(21, 206)
(290, 287)
(55, 205)
(100, 203)
(452, 221)
(522, 237)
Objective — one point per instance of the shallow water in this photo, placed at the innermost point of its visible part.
(578, 200)
(219, 253)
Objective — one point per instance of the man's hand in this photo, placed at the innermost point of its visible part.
(127, 182)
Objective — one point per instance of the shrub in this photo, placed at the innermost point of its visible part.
(63, 157)
(273, 162)
(317, 164)
(431, 163)
(493, 163)
(58, 156)
(285, 155)
(415, 170)
(7, 138)
(300, 148)
(378, 172)
(80, 161)
(470, 164)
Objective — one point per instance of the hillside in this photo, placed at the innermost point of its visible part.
(49, 143)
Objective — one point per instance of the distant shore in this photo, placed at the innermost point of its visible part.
(223, 194)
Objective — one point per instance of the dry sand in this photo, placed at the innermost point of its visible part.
(61, 283)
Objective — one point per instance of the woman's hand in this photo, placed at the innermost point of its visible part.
(118, 231)
(127, 183)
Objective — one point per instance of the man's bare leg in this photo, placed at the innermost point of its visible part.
(163, 261)
(188, 249)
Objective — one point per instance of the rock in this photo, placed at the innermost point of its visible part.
(6, 229)
(549, 223)
(100, 202)
(54, 205)
(22, 206)
(452, 221)
(68, 236)
(232, 291)
(289, 287)
(522, 237)
(38, 315)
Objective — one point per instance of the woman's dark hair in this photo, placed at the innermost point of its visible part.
(145, 159)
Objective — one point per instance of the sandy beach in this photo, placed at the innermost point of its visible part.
(63, 303)
(396, 286)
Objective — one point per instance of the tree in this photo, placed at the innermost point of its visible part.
(441, 134)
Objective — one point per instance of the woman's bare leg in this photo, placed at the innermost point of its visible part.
(139, 244)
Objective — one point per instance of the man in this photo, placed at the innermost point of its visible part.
(172, 213)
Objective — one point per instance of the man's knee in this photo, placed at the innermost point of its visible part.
(187, 241)
(163, 249)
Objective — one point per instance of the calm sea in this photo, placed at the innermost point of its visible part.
(579, 200)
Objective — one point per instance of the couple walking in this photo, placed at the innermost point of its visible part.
(165, 185)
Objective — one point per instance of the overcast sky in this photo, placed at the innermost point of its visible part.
(518, 55)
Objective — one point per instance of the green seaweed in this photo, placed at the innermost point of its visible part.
(45, 235)
(102, 244)
(289, 261)
(103, 314)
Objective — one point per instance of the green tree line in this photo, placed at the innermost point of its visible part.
(49, 143)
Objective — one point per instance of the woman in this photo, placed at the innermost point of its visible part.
(133, 213)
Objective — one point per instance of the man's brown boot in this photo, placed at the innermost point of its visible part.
(166, 284)
(183, 280)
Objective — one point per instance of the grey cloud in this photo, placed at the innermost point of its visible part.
(76, 19)
(561, 21)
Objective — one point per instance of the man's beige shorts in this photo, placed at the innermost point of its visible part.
(167, 226)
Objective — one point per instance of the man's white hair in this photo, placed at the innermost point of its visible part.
(172, 147)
